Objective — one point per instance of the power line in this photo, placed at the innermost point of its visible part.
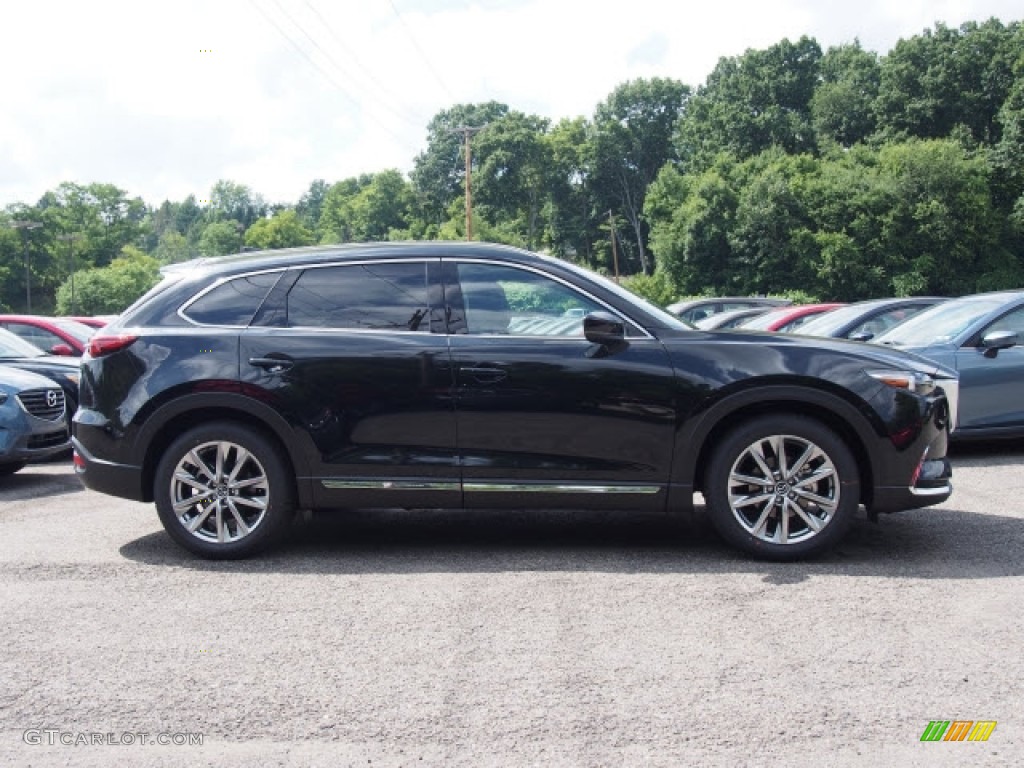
(325, 74)
(419, 50)
(344, 72)
(367, 72)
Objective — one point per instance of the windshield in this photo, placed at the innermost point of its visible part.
(830, 322)
(13, 346)
(763, 322)
(940, 324)
(75, 329)
(668, 320)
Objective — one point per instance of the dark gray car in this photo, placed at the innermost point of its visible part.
(33, 419)
(980, 337)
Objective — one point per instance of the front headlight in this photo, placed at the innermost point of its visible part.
(919, 383)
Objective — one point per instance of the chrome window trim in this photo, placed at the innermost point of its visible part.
(556, 278)
(217, 284)
(296, 267)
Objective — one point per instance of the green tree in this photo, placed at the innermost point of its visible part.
(751, 103)
(220, 238)
(569, 212)
(691, 219)
(381, 207)
(172, 248)
(439, 171)
(513, 167)
(630, 140)
(842, 107)
(284, 230)
(230, 201)
(110, 289)
(944, 78)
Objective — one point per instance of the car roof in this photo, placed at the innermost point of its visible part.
(286, 257)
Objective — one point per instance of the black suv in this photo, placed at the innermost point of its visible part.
(467, 375)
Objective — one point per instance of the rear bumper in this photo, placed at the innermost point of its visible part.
(124, 480)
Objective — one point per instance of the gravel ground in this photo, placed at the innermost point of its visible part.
(494, 638)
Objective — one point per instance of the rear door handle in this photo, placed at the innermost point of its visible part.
(271, 364)
(485, 375)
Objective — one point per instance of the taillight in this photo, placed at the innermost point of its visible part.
(99, 345)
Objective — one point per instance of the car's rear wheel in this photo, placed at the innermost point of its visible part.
(782, 487)
(11, 467)
(223, 491)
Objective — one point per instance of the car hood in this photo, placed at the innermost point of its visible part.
(870, 354)
(52, 362)
(18, 380)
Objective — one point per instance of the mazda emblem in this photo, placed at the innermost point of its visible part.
(51, 398)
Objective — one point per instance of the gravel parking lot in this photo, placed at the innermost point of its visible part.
(496, 638)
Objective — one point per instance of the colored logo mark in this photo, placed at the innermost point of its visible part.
(958, 730)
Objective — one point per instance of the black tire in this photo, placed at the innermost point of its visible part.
(255, 501)
(750, 515)
(11, 467)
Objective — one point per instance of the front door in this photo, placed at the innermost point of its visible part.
(543, 416)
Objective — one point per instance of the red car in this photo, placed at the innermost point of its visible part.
(93, 322)
(53, 335)
(787, 319)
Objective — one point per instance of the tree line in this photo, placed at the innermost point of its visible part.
(837, 174)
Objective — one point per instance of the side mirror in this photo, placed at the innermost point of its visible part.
(604, 328)
(63, 350)
(861, 336)
(997, 340)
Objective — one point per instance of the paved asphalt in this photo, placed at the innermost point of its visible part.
(504, 639)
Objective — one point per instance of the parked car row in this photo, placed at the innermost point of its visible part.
(978, 336)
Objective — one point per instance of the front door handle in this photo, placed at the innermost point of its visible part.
(272, 364)
(485, 375)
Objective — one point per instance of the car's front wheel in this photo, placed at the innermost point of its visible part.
(11, 467)
(782, 487)
(223, 491)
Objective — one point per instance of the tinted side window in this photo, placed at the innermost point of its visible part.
(390, 297)
(234, 302)
(1012, 321)
(37, 336)
(505, 300)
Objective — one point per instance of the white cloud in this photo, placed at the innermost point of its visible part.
(124, 91)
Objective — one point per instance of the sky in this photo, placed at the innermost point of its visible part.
(163, 99)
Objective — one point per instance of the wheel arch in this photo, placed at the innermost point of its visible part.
(846, 420)
(170, 421)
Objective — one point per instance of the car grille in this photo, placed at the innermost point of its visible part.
(49, 440)
(43, 403)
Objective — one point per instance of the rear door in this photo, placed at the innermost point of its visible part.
(545, 417)
(356, 356)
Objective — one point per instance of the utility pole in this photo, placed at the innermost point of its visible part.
(70, 240)
(25, 226)
(615, 251)
(467, 131)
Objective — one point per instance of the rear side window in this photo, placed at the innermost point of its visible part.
(377, 297)
(233, 302)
